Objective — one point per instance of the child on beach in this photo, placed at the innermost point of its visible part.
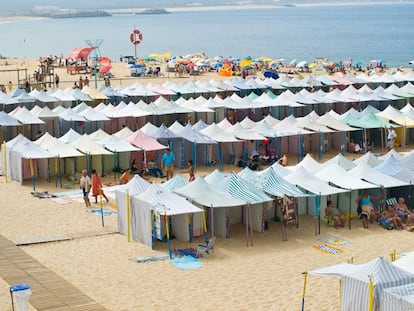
(190, 170)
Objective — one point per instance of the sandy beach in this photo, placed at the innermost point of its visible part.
(266, 276)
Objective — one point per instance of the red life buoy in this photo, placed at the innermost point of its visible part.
(135, 37)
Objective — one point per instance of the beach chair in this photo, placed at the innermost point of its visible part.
(205, 249)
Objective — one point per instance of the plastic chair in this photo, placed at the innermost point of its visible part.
(207, 249)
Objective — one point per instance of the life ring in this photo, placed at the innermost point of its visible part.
(135, 37)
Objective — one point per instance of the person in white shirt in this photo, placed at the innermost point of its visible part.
(391, 138)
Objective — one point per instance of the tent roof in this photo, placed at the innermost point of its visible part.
(143, 141)
(307, 181)
(174, 183)
(29, 150)
(245, 191)
(335, 174)
(135, 186)
(343, 162)
(70, 115)
(391, 167)
(163, 132)
(365, 172)
(6, 120)
(194, 136)
(309, 163)
(57, 147)
(85, 144)
(271, 183)
(93, 115)
(26, 117)
(70, 136)
(217, 134)
(124, 132)
(115, 144)
(82, 52)
(196, 191)
(369, 158)
(165, 202)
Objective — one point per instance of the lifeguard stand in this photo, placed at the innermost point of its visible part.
(95, 43)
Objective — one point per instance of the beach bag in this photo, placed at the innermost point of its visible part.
(359, 210)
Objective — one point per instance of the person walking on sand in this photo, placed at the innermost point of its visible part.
(190, 171)
(167, 163)
(97, 186)
(85, 185)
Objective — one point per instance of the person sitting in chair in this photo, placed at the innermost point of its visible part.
(124, 177)
(335, 214)
(353, 147)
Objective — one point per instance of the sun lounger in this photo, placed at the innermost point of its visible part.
(206, 249)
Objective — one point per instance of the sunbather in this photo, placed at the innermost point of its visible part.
(337, 216)
(390, 220)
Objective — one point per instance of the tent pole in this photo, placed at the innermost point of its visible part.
(350, 207)
(167, 229)
(371, 294)
(205, 226)
(5, 162)
(251, 224)
(100, 203)
(212, 220)
(32, 173)
(56, 171)
(247, 224)
(189, 228)
(305, 275)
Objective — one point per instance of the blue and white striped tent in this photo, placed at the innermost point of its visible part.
(356, 278)
(271, 183)
(398, 298)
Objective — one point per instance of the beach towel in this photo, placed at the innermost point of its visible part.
(333, 240)
(328, 249)
(184, 252)
(42, 195)
(186, 262)
(98, 211)
(150, 258)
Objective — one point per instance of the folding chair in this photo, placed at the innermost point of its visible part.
(207, 249)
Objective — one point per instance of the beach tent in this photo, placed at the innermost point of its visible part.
(355, 282)
(219, 203)
(124, 132)
(392, 167)
(158, 213)
(405, 262)
(65, 154)
(21, 159)
(70, 137)
(121, 149)
(369, 158)
(175, 183)
(398, 298)
(7, 121)
(135, 186)
(365, 172)
(342, 161)
(91, 150)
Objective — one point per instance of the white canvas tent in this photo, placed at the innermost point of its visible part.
(160, 202)
(356, 278)
(217, 201)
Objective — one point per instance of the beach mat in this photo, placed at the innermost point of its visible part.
(98, 211)
(149, 258)
(328, 249)
(333, 240)
(186, 262)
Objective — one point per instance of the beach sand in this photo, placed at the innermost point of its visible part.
(266, 276)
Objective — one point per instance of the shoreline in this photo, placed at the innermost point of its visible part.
(205, 8)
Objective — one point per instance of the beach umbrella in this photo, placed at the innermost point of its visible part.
(301, 64)
(245, 63)
(313, 65)
(105, 68)
(358, 63)
(293, 62)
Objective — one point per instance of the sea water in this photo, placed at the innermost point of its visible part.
(361, 33)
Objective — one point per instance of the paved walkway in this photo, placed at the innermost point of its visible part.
(49, 291)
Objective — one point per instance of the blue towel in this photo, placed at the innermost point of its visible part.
(186, 262)
(98, 211)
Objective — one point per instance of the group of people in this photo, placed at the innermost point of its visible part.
(95, 184)
(393, 217)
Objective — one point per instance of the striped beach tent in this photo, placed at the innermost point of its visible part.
(355, 292)
(398, 298)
